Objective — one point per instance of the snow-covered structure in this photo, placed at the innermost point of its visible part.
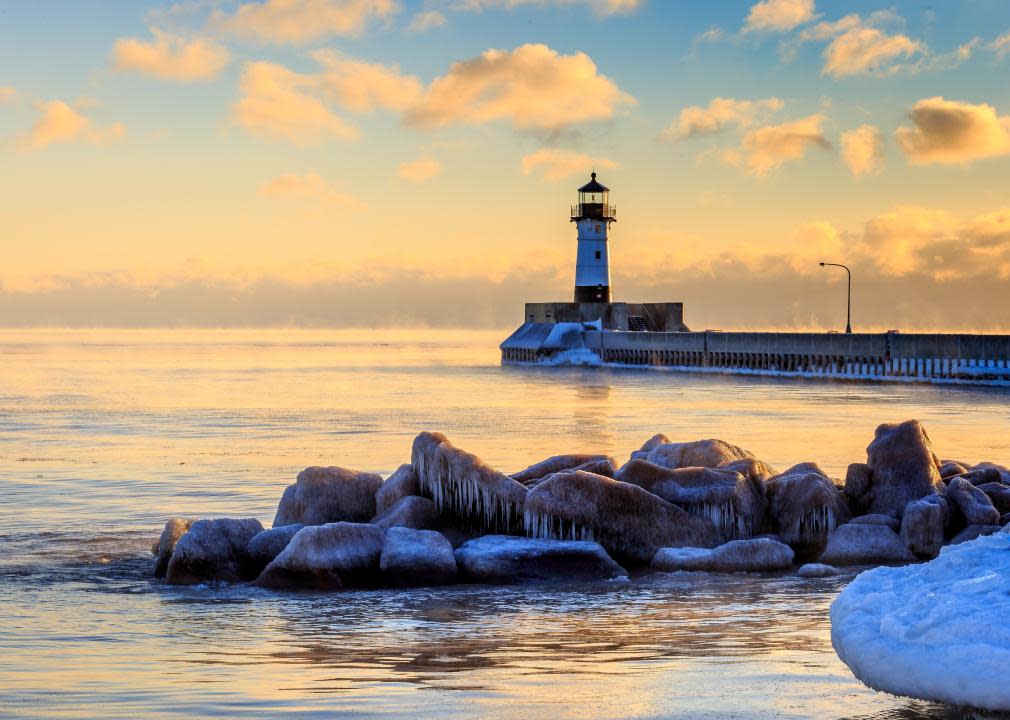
(935, 631)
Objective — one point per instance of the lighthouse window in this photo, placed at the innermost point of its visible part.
(597, 254)
(597, 228)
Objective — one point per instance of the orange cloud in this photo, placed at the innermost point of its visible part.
(362, 86)
(309, 187)
(770, 147)
(1000, 46)
(863, 150)
(170, 57)
(720, 114)
(556, 164)
(426, 20)
(279, 103)
(303, 21)
(60, 123)
(778, 15)
(420, 170)
(950, 132)
(533, 87)
(7, 94)
(868, 50)
(600, 7)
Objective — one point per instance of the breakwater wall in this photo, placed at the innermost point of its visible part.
(955, 358)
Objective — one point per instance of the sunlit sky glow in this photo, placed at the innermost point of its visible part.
(338, 162)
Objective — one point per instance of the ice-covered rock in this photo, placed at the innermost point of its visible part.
(865, 545)
(699, 453)
(903, 468)
(972, 532)
(758, 554)
(465, 487)
(876, 519)
(972, 503)
(557, 463)
(999, 496)
(950, 468)
(934, 631)
(402, 483)
(412, 511)
(924, 524)
(1001, 469)
(757, 471)
(652, 443)
(503, 558)
(175, 528)
(213, 550)
(630, 522)
(328, 494)
(417, 557)
(725, 498)
(982, 475)
(267, 545)
(804, 506)
(327, 557)
(817, 570)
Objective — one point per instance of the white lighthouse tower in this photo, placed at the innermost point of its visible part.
(592, 216)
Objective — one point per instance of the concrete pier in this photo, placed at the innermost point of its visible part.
(954, 358)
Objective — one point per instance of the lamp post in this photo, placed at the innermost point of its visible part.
(848, 309)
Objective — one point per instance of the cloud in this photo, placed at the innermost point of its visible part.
(303, 21)
(533, 87)
(863, 150)
(426, 20)
(720, 114)
(309, 186)
(601, 8)
(361, 87)
(1000, 47)
(170, 57)
(556, 164)
(60, 123)
(7, 94)
(778, 15)
(770, 147)
(278, 103)
(867, 51)
(951, 132)
(420, 170)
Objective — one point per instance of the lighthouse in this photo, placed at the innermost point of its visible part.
(592, 217)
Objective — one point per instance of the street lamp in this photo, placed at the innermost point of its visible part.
(848, 310)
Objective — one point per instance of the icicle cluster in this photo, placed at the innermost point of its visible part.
(813, 526)
(462, 486)
(723, 516)
(542, 525)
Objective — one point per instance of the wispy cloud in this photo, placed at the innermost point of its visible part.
(170, 57)
(602, 8)
(309, 186)
(863, 150)
(58, 122)
(426, 20)
(770, 16)
(720, 114)
(556, 164)
(300, 22)
(420, 170)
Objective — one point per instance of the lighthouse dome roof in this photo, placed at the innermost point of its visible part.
(593, 186)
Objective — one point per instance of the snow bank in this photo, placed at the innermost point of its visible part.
(936, 631)
(574, 356)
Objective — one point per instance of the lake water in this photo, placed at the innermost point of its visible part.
(105, 434)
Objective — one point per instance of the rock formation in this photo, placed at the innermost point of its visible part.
(402, 483)
(502, 558)
(865, 545)
(551, 465)
(903, 468)
(267, 545)
(924, 524)
(327, 557)
(417, 557)
(972, 503)
(700, 453)
(328, 494)
(804, 506)
(630, 522)
(755, 555)
(213, 550)
(725, 498)
(175, 528)
(465, 488)
(412, 511)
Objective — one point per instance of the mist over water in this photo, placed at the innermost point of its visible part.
(105, 434)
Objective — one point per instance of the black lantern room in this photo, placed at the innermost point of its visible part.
(594, 203)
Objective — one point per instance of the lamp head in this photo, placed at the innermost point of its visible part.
(821, 264)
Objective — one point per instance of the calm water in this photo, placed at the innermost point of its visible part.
(105, 434)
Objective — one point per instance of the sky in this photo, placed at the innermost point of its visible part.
(397, 162)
